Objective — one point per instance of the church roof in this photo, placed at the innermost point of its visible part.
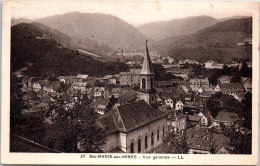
(147, 64)
(131, 116)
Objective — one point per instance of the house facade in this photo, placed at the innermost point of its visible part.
(179, 105)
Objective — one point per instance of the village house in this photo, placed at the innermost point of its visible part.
(116, 92)
(199, 141)
(204, 118)
(184, 73)
(82, 77)
(176, 121)
(170, 60)
(194, 121)
(100, 105)
(233, 64)
(224, 79)
(112, 81)
(169, 102)
(220, 144)
(134, 128)
(179, 105)
(36, 87)
(196, 83)
(51, 87)
(67, 79)
(230, 88)
(208, 64)
(164, 84)
(192, 62)
(226, 118)
(213, 65)
(106, 78)
(100, 92)
(82, 86)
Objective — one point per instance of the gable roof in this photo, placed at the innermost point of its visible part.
(199, 144)
(100, 103)
(232, 87)
(219, 141)
(106, 77)
(226, 116)
(136, 114)
(82, 76)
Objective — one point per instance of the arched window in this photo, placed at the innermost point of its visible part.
(139, 145)
(152, 138)
(146, 142)
(158, 135)
(132, 147)
(143, 83)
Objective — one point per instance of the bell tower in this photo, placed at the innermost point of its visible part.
(147, 91)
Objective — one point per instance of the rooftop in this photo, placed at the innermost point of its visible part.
(133, 115)
(229, 87)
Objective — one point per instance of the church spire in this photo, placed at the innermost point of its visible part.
(147, 64)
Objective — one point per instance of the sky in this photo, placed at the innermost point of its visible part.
(134, 12)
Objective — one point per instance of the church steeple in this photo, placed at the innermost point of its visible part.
(147, 64)
(147, 91)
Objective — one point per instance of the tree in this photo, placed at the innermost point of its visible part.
(225, 70)
(219, 101)
(235, 79)
(76, 129)
(244, 71)
(247, 106)
(213, 79)
(165, 61)
(241, 143)
(16, 101)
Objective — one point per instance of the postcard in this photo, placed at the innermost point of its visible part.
(130, 82)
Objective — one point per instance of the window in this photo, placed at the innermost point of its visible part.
(158, 135)
(132, 147)
(143, 83)
(139, 145)
(152, 138)
(163, 131)
(146, 142)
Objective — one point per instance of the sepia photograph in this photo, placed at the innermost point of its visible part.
(148, 81)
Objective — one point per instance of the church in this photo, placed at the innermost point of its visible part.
(136, 127)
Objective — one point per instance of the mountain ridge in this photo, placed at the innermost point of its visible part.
(102, 28)
(218, 42)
